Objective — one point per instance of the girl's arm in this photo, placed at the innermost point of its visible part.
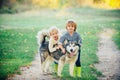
(61, 47)
(50, 46)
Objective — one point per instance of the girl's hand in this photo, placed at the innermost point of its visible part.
(57, 47)
(60, 47)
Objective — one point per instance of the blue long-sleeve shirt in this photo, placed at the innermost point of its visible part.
(75, 37)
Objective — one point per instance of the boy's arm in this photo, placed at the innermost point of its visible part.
(79, 41)
(60, 43)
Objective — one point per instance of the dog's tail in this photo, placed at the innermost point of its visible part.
(41, 35)
(41, 40)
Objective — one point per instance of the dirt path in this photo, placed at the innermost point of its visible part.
(32, 72)
(109, 57)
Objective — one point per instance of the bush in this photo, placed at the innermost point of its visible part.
(7, 10)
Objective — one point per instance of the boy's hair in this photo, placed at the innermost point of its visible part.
(71, 22)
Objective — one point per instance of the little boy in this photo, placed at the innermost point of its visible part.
(72, 35)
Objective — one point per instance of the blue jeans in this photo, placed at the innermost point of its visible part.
(78, 62)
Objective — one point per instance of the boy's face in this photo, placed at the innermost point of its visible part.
(70, 28)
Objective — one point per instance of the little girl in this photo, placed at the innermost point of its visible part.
(53, 43)
(54, 38)
(53, 35)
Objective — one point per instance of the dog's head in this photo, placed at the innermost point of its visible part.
(71, 48)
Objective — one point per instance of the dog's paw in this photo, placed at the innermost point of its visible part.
(72, 76)
(60, 75)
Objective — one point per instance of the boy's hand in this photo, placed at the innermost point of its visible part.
(63, 50)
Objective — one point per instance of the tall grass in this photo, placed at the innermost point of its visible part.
(18, 44)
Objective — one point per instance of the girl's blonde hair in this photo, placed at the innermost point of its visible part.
(72, 23)
(52, 29)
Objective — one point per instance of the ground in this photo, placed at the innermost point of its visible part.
(109, 56)
(32, 72)
(109, 61)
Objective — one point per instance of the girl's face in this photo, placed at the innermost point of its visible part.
(54, 34)
(70, 28)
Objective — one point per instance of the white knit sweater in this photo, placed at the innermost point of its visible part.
(52, 42)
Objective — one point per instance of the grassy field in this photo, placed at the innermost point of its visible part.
(18, 44)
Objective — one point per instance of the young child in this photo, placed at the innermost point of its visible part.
(72, 35)
(53, 38)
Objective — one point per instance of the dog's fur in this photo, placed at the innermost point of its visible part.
(70, 56)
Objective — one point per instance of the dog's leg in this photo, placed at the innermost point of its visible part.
(60, 66)
(50, 69)
(49, 60)
(46, 64)
(43, 66)
(43, 58)
(71, 68)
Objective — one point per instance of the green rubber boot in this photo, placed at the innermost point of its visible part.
(75, 71)
(56, 68)
(78, 71)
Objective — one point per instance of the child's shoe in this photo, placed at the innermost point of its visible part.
(78, 71)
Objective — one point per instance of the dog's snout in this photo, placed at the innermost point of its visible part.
(71, 50)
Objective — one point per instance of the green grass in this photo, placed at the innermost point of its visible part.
(17, 48)
(18, 44)
(116, 37)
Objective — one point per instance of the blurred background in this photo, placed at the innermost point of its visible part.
(20, 21)
(14, 6)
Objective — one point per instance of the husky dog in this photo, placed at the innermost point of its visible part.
(46, 56)
(69, 57)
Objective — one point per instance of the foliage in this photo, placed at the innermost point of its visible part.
(113, 3)
(47, 3)
(76, 3)
(11, 5)
(14, 6)
(7, 10)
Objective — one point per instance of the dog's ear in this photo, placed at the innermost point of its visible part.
(75, 42)
(65, 42)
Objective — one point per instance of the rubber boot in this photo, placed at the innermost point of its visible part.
(78, 71)
(75, 71)
(56, 68)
